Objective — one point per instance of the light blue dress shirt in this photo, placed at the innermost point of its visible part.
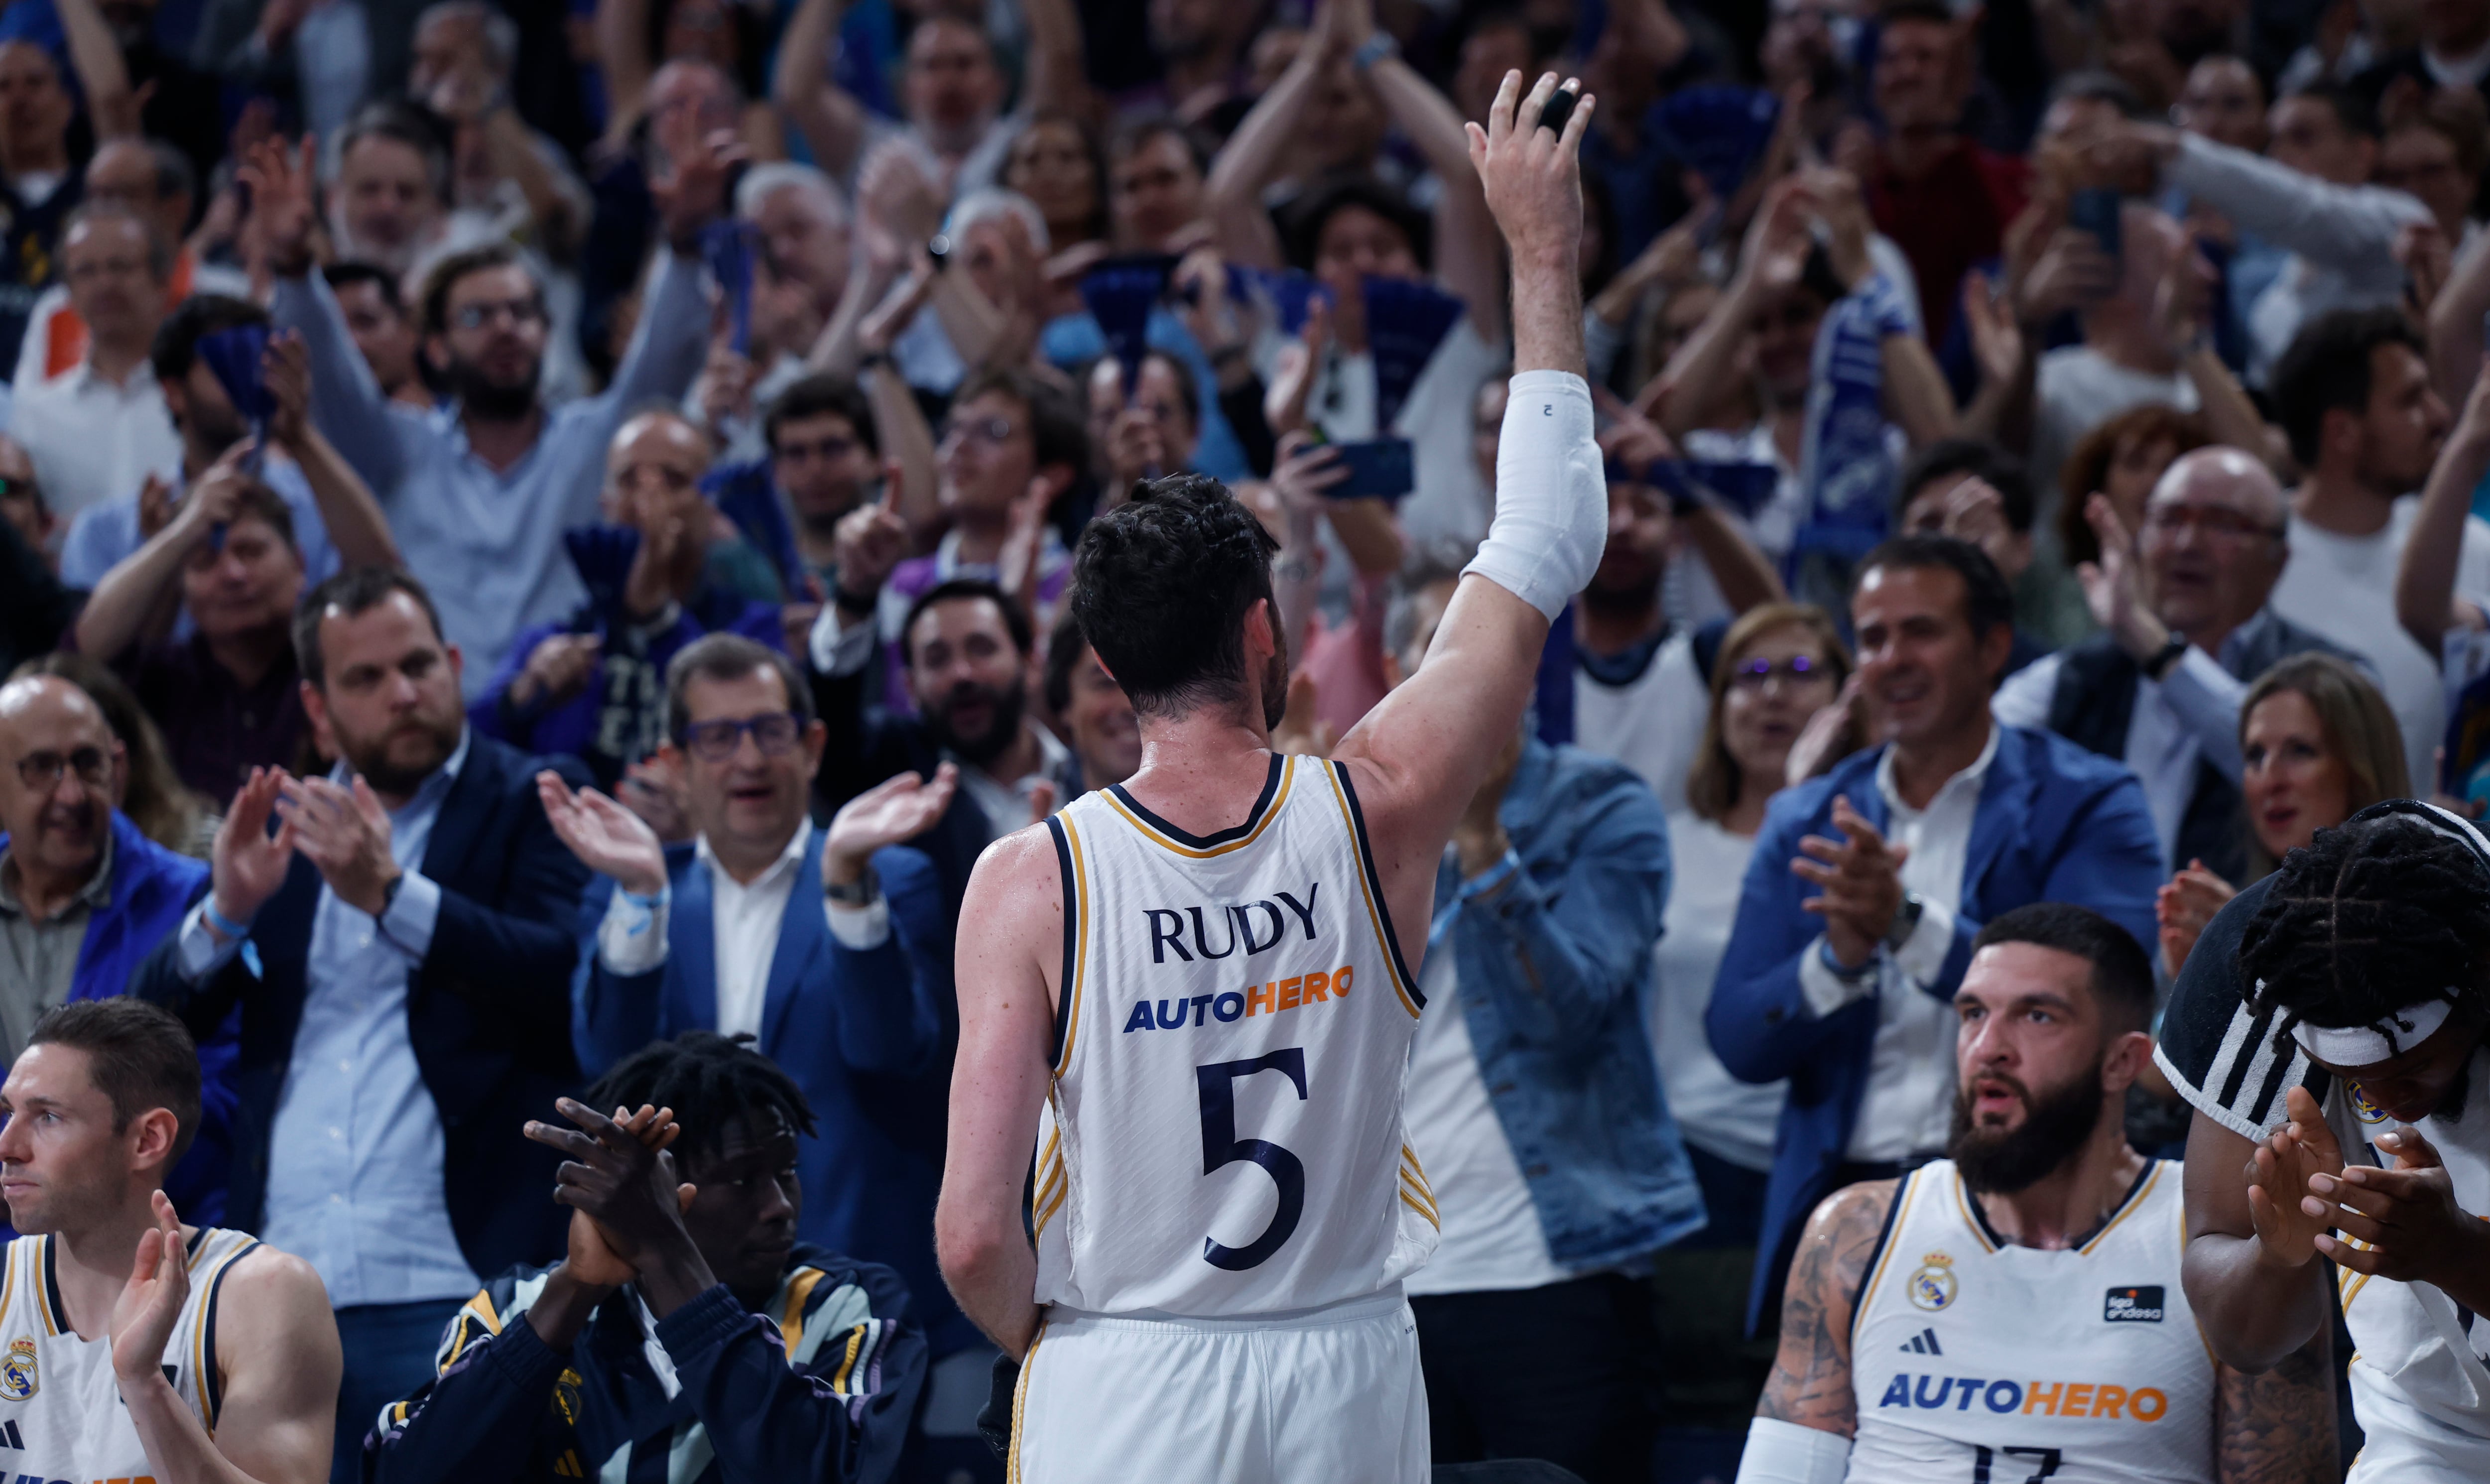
(487, 544)
(355, 1157)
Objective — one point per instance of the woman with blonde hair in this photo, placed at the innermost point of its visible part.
(1778, 665)
(2318, 744)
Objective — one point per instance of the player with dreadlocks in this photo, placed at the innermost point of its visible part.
(2328, 1030)
(687, 1332)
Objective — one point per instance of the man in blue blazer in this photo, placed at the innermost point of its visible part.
(401, 948)
(1868, 885)
(829, 946)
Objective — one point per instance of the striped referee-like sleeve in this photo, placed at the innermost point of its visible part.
(2223, 1057)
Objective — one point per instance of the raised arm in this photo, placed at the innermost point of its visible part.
(1252, 156)
(2426, 601)
(2250, 1269)
(1771, 258)
(623, 54)
(1419, 755)
(828, 116)
(1011, 948)
(117, 611)
(356, 526)
(102, 73)
(1056, 80)
(1466, 258)
(278, 1344)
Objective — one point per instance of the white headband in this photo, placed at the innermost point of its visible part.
(2350, 1046)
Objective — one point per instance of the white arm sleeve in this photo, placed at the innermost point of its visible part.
(1552, 494)
(1785, 1453)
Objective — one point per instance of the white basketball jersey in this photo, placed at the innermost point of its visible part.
(61, 1412)
(2421, 1361)
(1975, 1359)
(1223, 1136)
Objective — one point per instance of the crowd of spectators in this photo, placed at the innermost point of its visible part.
(507, 505)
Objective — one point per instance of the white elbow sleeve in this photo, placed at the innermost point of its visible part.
(1785, 1453)
(1552, 494)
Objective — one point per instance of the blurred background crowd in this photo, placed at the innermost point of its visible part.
(700, 401)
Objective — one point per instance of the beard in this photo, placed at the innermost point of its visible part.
(2054, 1127)
(491, 399)
(1004, 706)
(386, 775)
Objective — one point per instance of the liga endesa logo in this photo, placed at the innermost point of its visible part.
(2038, 1398)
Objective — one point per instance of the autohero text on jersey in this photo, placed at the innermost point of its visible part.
(2052, 1399)
(1246, 929)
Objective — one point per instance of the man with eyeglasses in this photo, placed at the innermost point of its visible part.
(1868, 886)
(400, 948)
(83, 895)
(830, 945)
(480, 494)
(1012, 448)
(86, 897)
(99, 429)
(591, 686)
(2185, 625)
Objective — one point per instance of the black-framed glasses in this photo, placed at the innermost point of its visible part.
(1757, 673)
(774, 733)
(519, 311)
(41, 771)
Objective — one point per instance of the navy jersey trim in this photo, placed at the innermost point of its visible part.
(211, 1391)
(1375, 884)
(1253, 817)
(1071, 935)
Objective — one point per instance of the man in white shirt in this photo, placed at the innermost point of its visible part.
(2353, 395)
(101, 428)
(1842, 969)
(2184, 627)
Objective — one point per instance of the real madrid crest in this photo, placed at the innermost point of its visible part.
(2362, 1109)
(1934, 1286)
(18, 1378)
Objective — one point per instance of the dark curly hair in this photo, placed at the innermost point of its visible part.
(2374, 917)
(710, 1081)
(1161, 586)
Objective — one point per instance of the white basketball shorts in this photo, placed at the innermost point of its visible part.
(1323, 1394)
(2402, 1444)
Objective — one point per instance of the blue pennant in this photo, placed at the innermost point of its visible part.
(729, 247)
(603, 555)
(1720, 131)
(1740, 487)
(749, 496)
(1404, 322)
(233, 357)
(1121, 294)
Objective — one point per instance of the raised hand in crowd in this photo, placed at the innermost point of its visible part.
(630, 1189)
(249, 862)
(868, 546)
(283, 218)
(2182, 907)
(344, 831)
(1860, 877)
(653, 789)
(608, 838)
(897, 810)
(696, 171)
(557, 669)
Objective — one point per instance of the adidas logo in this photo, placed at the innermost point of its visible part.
(10, 1437)
(1924, 1343)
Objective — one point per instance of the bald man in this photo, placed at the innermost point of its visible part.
(2182, 602)
(593, 684)
(83, 895)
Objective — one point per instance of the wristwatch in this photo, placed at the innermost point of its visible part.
(863, 892)
(1906, 920)
(2172, 651)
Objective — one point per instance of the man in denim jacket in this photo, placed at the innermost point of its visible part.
(1535, 1107)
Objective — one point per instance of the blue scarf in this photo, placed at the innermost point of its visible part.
(1845, 466)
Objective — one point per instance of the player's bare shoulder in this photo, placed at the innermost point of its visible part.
(273, 1310)
(1013, 911)
(1840, 1241)
(1810, 1381)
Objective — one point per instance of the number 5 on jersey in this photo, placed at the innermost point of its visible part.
(1221, 1148)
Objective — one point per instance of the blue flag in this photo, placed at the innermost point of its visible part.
(1719, 131)
(1404, 322)
(603, 556)
(729, 247)
(1120, 295)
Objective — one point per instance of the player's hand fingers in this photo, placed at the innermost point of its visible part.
(1500, 114)
(2411, 1150)
(570, 1141)
(2361, 1259)
(1526, 117)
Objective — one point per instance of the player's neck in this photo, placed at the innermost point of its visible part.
(1201, 772)
(92, 1263)
(2068, 1204)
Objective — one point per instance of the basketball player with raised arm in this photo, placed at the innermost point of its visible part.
(1186, 995)
(133, 1347)
(2014, 1313)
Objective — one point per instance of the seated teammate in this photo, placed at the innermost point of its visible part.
(2014, 1312)
(137, 1347)
(2330, 1031)
(737, 1353)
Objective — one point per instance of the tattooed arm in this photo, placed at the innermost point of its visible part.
(1810, 1381)
(2277, 1427)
